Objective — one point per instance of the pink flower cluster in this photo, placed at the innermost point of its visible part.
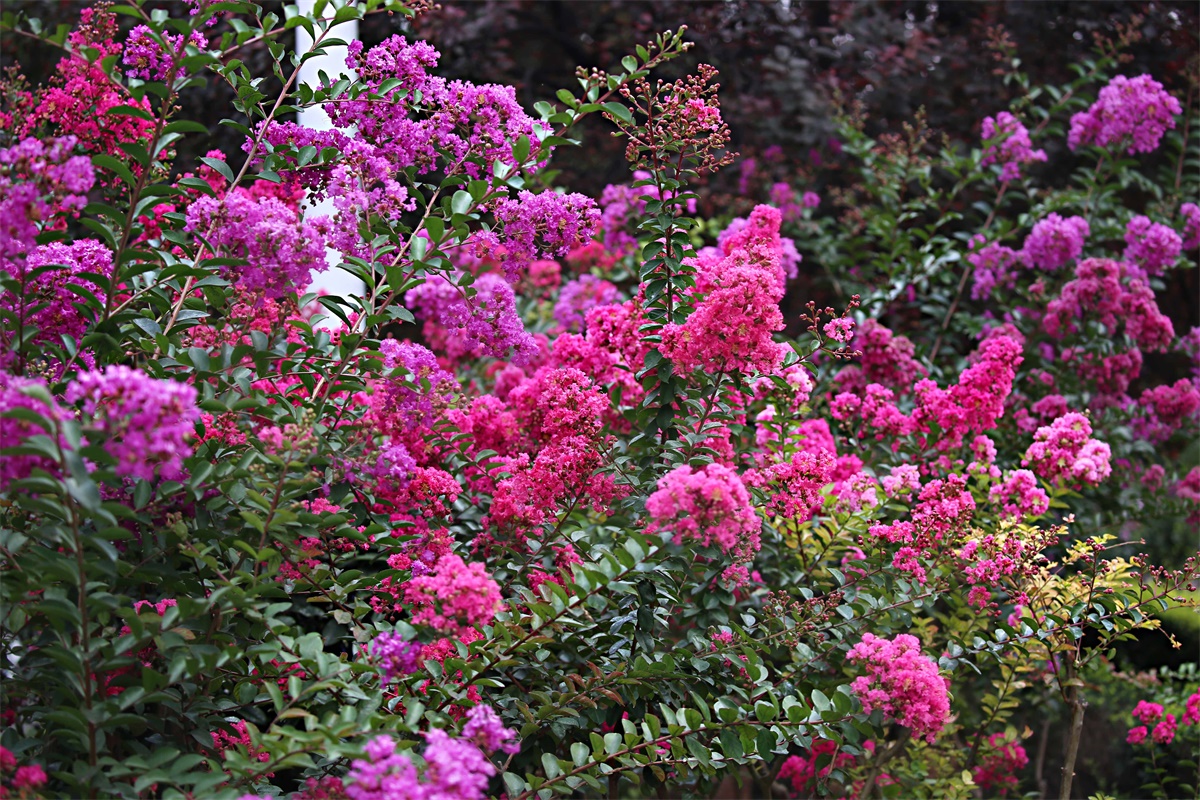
(279, 247)
(454, 596)
(144, 423)
(738, 308)
(16, 393)
(471, 125)
(1007, 143)
(1130, 113)
(1165, 724)
(579, 296)
(1167, 408)
(1098, 293)
(26, 780)
(1064, 453)
(709, 506)
(1191, 225)
(48, 303)
(1054, 242)
(976, 402)
(998, 768)
(795, 485)
(1019, 496)
(1152, 245)
(902, 683)
(993, 268)
(804, 775)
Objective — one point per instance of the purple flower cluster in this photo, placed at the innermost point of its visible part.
(994, 268)
(280, 248)
(1054, 242)
(1131, 113)
(485, 729)
(540, 226)
(406, 397)
(1152, 245)
(580, 296)
(426, 116)
(145, 58)
(1007, 142)
(14, 430)
(145, 422)
(1191, 225)
(455, 768)
(38, 179)
(395, 656)
(487, 323)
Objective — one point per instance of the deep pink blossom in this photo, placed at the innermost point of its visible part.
(901, 682)
(1064, 452)
(709, 506)
(455, 595)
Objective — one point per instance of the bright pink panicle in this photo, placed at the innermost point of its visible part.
(997, 770)
(902, 683)
(710, 506)
(1065, 452)
(145, 422)
(738, 311)
(454, 596)
(13, 430)
(455, 769)
(1008, 144)
(1191, 225)
(39, 180)
(1191, 714)
(486, 324)
(1019, 496)
(1131, 113)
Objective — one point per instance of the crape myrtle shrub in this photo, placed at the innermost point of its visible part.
(606, 529)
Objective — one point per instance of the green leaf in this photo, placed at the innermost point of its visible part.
(620, 111)
(461, 202)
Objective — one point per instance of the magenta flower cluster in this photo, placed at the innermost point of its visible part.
(544, 225)
(1129, 113)
(455, 768)
(1054, 242)
(395, 656)
(902, 683)
(737, 308)
(279, 247)
(1007, 143)
(1160, 725)
(709, 506)
(1064, 453)
(1151, 245)
(143, 423)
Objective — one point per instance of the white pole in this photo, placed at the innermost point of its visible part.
(333, 64)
